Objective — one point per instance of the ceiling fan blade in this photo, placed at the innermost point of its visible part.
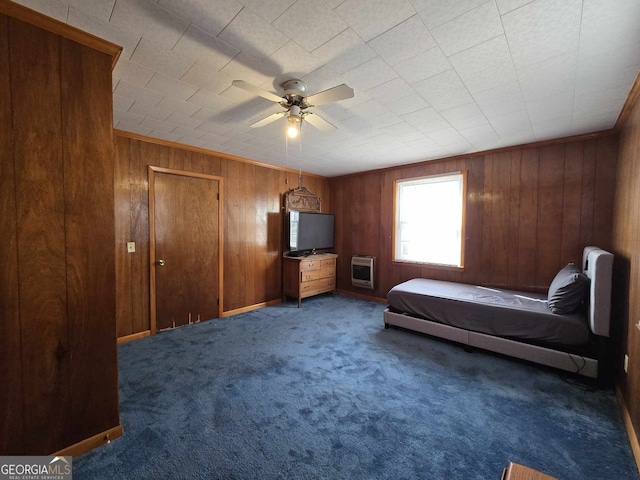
(335, 94)
(256, 91)
(266, 121)
(319, 122)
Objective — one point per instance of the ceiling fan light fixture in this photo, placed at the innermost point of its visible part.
(293, 121)
(293, 126)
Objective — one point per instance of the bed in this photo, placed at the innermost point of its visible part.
(567, 328)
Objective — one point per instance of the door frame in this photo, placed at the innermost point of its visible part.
(152, 237)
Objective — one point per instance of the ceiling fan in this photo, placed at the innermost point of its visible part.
(295, 104)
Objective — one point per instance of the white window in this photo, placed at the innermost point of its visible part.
(429, 219)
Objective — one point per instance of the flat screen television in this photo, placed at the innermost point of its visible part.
(309, 232)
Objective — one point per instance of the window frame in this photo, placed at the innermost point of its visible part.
(395, 233)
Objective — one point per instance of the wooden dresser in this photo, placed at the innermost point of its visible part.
(307, 276)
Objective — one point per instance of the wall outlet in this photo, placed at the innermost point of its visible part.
(626, 363)
(131, 247)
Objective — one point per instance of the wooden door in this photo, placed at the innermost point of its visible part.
(185, 247)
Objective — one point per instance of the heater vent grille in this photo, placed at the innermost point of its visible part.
(362, 270)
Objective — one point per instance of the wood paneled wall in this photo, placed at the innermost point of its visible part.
(529, 211)
(57, 276)
(626, 247)
(252, 230)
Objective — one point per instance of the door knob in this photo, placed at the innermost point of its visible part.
(160, 263)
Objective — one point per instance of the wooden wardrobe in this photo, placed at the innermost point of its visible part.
(58, 356)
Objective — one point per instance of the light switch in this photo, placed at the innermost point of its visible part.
(131, 247)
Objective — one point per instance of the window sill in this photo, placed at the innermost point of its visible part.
(434, 266)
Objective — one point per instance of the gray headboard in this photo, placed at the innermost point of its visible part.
(597, 264)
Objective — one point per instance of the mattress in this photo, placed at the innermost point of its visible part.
(502, 313)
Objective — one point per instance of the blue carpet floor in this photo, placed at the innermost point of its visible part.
(324, 392)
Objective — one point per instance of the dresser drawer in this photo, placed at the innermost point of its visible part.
(311, 275)
(315, 287)
(306, 265)
(316, 264)
(327, 263)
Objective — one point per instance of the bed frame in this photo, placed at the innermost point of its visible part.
(598, 266)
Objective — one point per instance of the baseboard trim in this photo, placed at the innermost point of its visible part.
(92, 442)
(631, 432)
(134, 336)
(362, 296)
(250, 308)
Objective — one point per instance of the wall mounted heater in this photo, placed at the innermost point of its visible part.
(362, 271)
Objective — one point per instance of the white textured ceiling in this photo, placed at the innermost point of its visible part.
(432, 78)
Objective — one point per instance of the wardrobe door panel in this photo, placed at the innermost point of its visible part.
(90, 237)
(11, 414)
(39, 182)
